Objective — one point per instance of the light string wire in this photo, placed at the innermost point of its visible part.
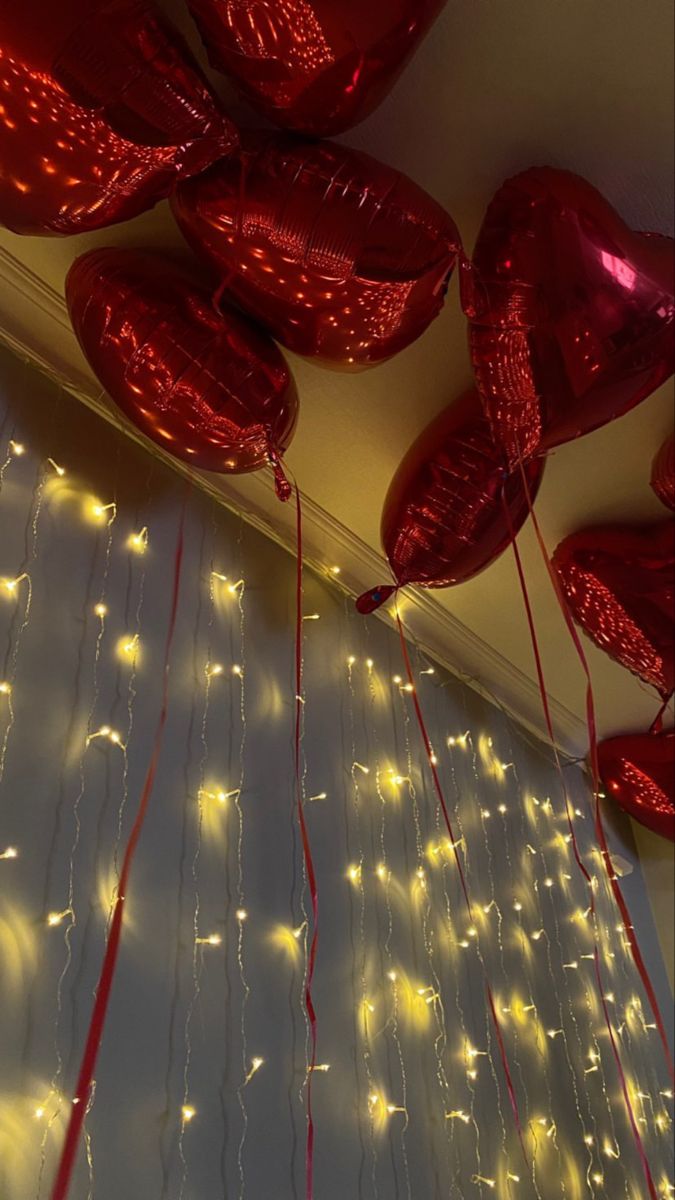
(441, 796)
(356, 872)
(167, 1133)
(580, 863)
(82, 1097)
(307, 850)
(385, 948)
(197, 957)
(473, 939)
(69, 911)
(422, 900)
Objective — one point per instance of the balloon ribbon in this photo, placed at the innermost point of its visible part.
(577, 854)
(85, 1081)
(462, 878)
(307, 852)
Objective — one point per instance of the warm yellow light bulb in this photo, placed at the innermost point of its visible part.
(10, 852)
(237, 670)
(138, 542)
(351, 660)
(188, 1112)
(214, 669)
(242, 914)
(5, 688)
(101, 610)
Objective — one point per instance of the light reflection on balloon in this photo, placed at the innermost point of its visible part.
(72, 162)
(341, 258)
(317, 68)
(571, 312)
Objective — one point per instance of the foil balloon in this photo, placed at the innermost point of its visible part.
(451, 507)
(338, 256)
(663, 473)
(619, 582)
(205, 386)
(315, 66)
(639, 774)
(102, 109)
(571, 312)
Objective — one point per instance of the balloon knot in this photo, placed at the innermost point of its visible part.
(282, 486)
(369, 602)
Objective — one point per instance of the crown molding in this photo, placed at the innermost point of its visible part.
(36, 327)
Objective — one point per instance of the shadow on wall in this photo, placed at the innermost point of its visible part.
(201, 1081)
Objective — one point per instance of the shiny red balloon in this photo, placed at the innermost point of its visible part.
(572, 313)
(315, 66)
(445, 515)
(205, 385)
(639, 775)
(102, 109)
(620, 585)
(338, 256)
(663, 473)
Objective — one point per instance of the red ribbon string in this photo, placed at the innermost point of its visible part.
(307, 852)
(462, 878)
(85, 1081)
(595, 770)
(599, 827)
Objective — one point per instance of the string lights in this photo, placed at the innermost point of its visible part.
(414, 1065)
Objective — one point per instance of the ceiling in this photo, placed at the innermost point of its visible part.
(497, 87)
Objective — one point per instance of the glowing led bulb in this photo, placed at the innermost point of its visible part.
(351, 660)
(10, 852)
(237, 670)
(370, 664)
(60, 471)
(99, 510)
(256, 1064)
(335, 570)
(429, 671)
(101, 610)
(354, 874)
(39, 1113)
(319, 796)
(5, 688)
(312, 617)
(188, 1113)
(242, 914)
(548, 883)
(10, 585)
(518, 906)
(214, 669)
(382, 872)
(503, 809)
(214, 939)
(55, 918)
(323, 1067)
(138, 542)
(17, 448)
(589, 1139)
(397, 679)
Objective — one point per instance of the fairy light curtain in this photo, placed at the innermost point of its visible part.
(200, 1087)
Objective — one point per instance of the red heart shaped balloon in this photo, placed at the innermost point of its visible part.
(338, 256)
(206, 386)
(445, 515)
(102, 108)
(572, 313)
(663, 473)
(315, 66)
(639, 775)
(619, 582)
